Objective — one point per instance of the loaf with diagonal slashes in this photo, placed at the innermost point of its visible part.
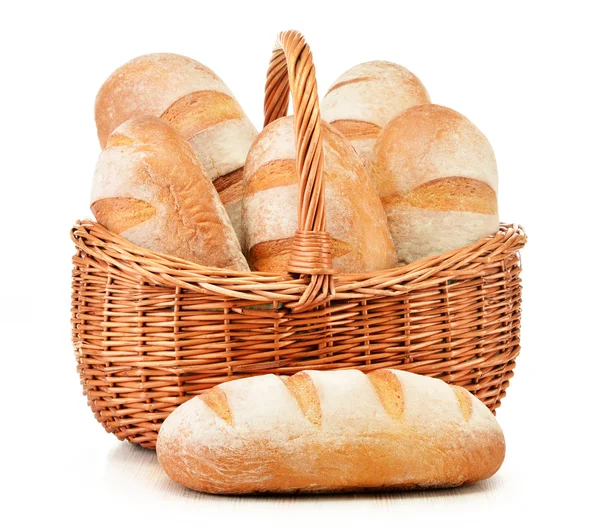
(437, 178)
(197, 103)
(150, 188)
(368, 96)
(361, 239)
(330, 431)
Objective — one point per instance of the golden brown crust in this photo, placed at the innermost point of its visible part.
(331, 436)
(216, 399)
(146, 157)
(270, 256)
(464, 401)
(141, 87)
(436, 175)
(304, 391)
(228, 180)
(372, 93)
(122, 213)
(459, 194)
(230, 186)
(389, 391)
(353, 464)
(354, 214)
(200, 110)
(281, 172)
(195, 101)
(427, 143)
(353, 129)
(117, 139)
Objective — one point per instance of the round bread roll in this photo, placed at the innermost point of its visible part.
(437, 178)
(361, 240)
(365, 98)
(194, 100)
(150, 188)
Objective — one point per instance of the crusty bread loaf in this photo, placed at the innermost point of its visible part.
(355, 218)
(195, 101)
(330, 431)
(365, 98)
(150, 188)
(436, 175)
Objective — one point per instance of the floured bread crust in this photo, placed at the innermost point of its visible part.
(366, 97)
(355, 217)
(330, 431)
(437, 178)
(150, 188)
(195, 101)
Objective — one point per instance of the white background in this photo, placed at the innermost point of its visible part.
(525, 73)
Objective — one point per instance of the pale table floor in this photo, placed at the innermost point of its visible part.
(60, 467)
(102, 479)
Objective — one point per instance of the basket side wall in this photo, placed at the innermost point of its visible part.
(142, 349)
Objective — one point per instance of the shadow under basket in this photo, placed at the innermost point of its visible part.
(151, 331)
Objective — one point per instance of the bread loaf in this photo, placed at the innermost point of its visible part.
(194, 100)
(436, 175)
(330, 431)
(150, 187)
(365, 98)
(355, 217)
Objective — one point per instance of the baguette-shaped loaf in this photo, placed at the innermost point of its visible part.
(330, 431)
(437, 178)
(196, 102)
(150, 188)
(366, 97)
(361, 240)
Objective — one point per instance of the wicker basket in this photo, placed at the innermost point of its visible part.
(150, 331)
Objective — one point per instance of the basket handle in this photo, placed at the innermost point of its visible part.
(292, 70)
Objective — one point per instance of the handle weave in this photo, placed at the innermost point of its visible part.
(292, 71)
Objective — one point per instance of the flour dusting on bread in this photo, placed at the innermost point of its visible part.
(443, 436)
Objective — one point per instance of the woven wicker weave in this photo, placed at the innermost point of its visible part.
(150, 331)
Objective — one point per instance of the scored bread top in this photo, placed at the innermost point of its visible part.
(429, 142)
(366, 97)
(330, 430)
(354, 214)
(435, 158)
(197, 103)
(347, 401)
(150, 187)
(373, 92)
(436, 175)
(149, 85)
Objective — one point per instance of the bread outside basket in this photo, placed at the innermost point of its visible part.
(151, 331)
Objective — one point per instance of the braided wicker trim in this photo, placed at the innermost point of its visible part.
(126, 259)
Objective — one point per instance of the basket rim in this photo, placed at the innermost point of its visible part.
(104, 248)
